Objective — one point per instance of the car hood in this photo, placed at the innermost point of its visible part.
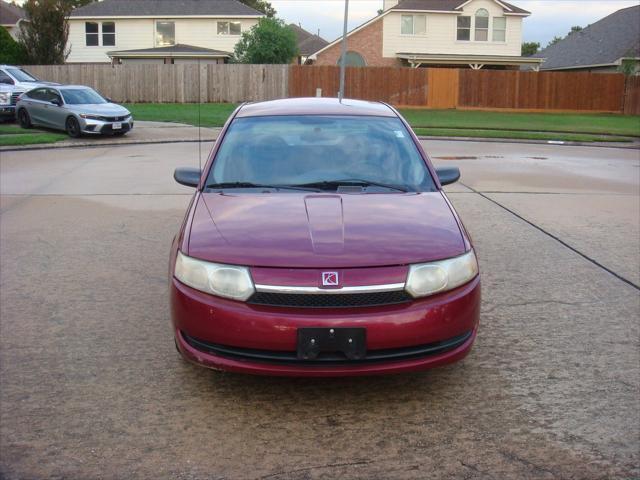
(323, 230)
(109, 109)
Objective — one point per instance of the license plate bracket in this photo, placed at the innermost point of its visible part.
(117, 126)
(352, 342)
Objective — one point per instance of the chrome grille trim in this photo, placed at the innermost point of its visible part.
(391, 287)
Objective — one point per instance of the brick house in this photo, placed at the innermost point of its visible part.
(438, 33)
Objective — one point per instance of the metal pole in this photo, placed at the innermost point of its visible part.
(343, 60)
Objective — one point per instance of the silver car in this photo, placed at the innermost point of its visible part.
(74, 108)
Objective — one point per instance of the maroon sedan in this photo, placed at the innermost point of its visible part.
(319, 242)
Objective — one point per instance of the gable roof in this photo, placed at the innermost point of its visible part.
(165, 8)
(10, 14)
(603, 43)
(452, 6)
(174, 50)
(308, 43)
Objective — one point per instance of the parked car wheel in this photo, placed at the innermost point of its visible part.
(24, 118)
(73, 127)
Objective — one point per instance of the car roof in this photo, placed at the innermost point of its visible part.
(315, 106)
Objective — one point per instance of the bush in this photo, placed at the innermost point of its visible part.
(11, 52)
(270, 41)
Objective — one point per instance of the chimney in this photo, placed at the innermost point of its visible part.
(389, 4)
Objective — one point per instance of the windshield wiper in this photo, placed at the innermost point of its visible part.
(352, 182)
(229, 185)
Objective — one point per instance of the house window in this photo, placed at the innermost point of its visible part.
(108, 34)
(464, 28)
(91, 33)
(499, 29)
(229, 28)
(165, 34)
(353, 59)
(482, 25)
(413, 24)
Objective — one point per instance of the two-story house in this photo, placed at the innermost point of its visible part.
(158, 31)
(436, 33)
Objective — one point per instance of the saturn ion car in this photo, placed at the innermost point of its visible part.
(75, 109)
(319, 242)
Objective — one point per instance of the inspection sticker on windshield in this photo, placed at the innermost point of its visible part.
(399, 134)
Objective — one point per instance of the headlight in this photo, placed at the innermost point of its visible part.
(5, 97)
(91, 117)
(429, 278)
(226, 281)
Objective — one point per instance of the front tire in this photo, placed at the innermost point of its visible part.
(73, 127)
(24, 119)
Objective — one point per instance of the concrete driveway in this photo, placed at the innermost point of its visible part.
(91, 385)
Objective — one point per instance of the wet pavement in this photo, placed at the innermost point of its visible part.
(91, 385)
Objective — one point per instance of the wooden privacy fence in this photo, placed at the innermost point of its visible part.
(190, 83)
(420, 87)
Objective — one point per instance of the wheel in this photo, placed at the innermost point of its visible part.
(73, 127)
(24, 119)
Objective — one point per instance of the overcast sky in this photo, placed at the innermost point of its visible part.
(549, 17)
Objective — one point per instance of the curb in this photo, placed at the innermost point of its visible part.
(625, 145)
(60, 145)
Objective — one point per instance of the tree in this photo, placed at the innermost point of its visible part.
(44, 36)
(555, 40)
(270, 41)
(261, 5)
(530, 48)
(11, 52)
(575, 28)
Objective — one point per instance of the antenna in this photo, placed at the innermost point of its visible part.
(343, 60)
(199, 125)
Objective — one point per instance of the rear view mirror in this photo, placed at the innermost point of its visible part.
(448, 175)
(187, 176)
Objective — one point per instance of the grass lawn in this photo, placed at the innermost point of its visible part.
(530, 124)
(522, 135)
(13, 135)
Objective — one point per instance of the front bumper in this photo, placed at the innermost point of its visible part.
(244, 338)
(99, 127)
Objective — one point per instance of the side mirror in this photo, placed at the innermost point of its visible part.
(109, 100)
(7, 81)
(448, 175)
(57, 102)
(187, 176)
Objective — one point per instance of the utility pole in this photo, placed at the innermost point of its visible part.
(343, 60)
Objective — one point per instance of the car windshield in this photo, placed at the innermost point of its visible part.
(82, 96)
(322, 152)
(21, 75)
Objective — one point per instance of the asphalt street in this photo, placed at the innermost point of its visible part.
(91, 386)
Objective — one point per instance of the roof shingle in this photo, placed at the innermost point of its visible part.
(603, 43)
(162, 8)
(10, 14)
(308, 43)
(446, 6)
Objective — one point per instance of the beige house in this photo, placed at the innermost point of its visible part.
(151, 31)
(444, 33)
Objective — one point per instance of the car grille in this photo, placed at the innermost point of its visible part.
(290, 357)
(348, 300)
(14, 97)
(115, 119)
